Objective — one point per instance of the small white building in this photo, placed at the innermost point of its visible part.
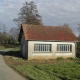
(47, 42)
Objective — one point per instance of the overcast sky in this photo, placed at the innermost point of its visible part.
(53, 12)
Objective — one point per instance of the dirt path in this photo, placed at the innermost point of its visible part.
(6, 73)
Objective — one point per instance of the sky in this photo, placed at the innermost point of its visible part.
(53, 12)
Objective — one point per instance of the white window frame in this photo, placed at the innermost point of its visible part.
(64, 48)
(42, 47)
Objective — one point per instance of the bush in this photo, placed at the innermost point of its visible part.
(11, 45)
(70, 58)
(59, 58)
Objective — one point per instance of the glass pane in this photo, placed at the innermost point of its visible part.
(34, 47)
(64, 47)
(70, 48)
(60, 47)
(46, 47)
(49, 48)
(57, 47)
(42, 47)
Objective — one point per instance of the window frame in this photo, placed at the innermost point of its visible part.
(64, 48)
(42, 48)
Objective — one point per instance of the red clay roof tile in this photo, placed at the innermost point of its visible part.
(39, 32)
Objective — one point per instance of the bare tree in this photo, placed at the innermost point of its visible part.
(14, 33)
(28, 14)
(1, 25)
(4, 28)
(3, 33)
(79, 27)
(78, 31)
(67, 25)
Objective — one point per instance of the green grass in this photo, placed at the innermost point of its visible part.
(59, 58)
(2, 47)
(16, 49)
(59, 69)
(6, 46)
(56, 71)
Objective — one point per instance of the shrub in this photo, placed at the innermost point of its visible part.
(60, 59)
(70, 58)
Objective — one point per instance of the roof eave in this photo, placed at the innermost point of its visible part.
(52, 40)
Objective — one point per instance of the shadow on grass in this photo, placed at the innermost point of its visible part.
(11, 53)
(2, 52)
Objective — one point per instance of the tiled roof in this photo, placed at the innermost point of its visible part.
(39, 32)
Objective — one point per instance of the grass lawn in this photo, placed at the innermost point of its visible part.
(59, 69)
(2, 47)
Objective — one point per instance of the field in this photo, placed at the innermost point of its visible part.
(2, 47)
(59, 69)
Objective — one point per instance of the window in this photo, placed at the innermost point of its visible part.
(42, 47)
(64, 47)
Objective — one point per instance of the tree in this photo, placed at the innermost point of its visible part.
(14, 33)
(1, 25)
(78, 31)
(28, 14)
(67, 25)
(3, 33)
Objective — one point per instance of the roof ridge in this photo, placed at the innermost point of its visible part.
(42, 25)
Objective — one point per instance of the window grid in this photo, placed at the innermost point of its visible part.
(64, 47)
(42, 47)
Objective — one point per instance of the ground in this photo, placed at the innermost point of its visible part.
(59, 69)
(6, 73)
